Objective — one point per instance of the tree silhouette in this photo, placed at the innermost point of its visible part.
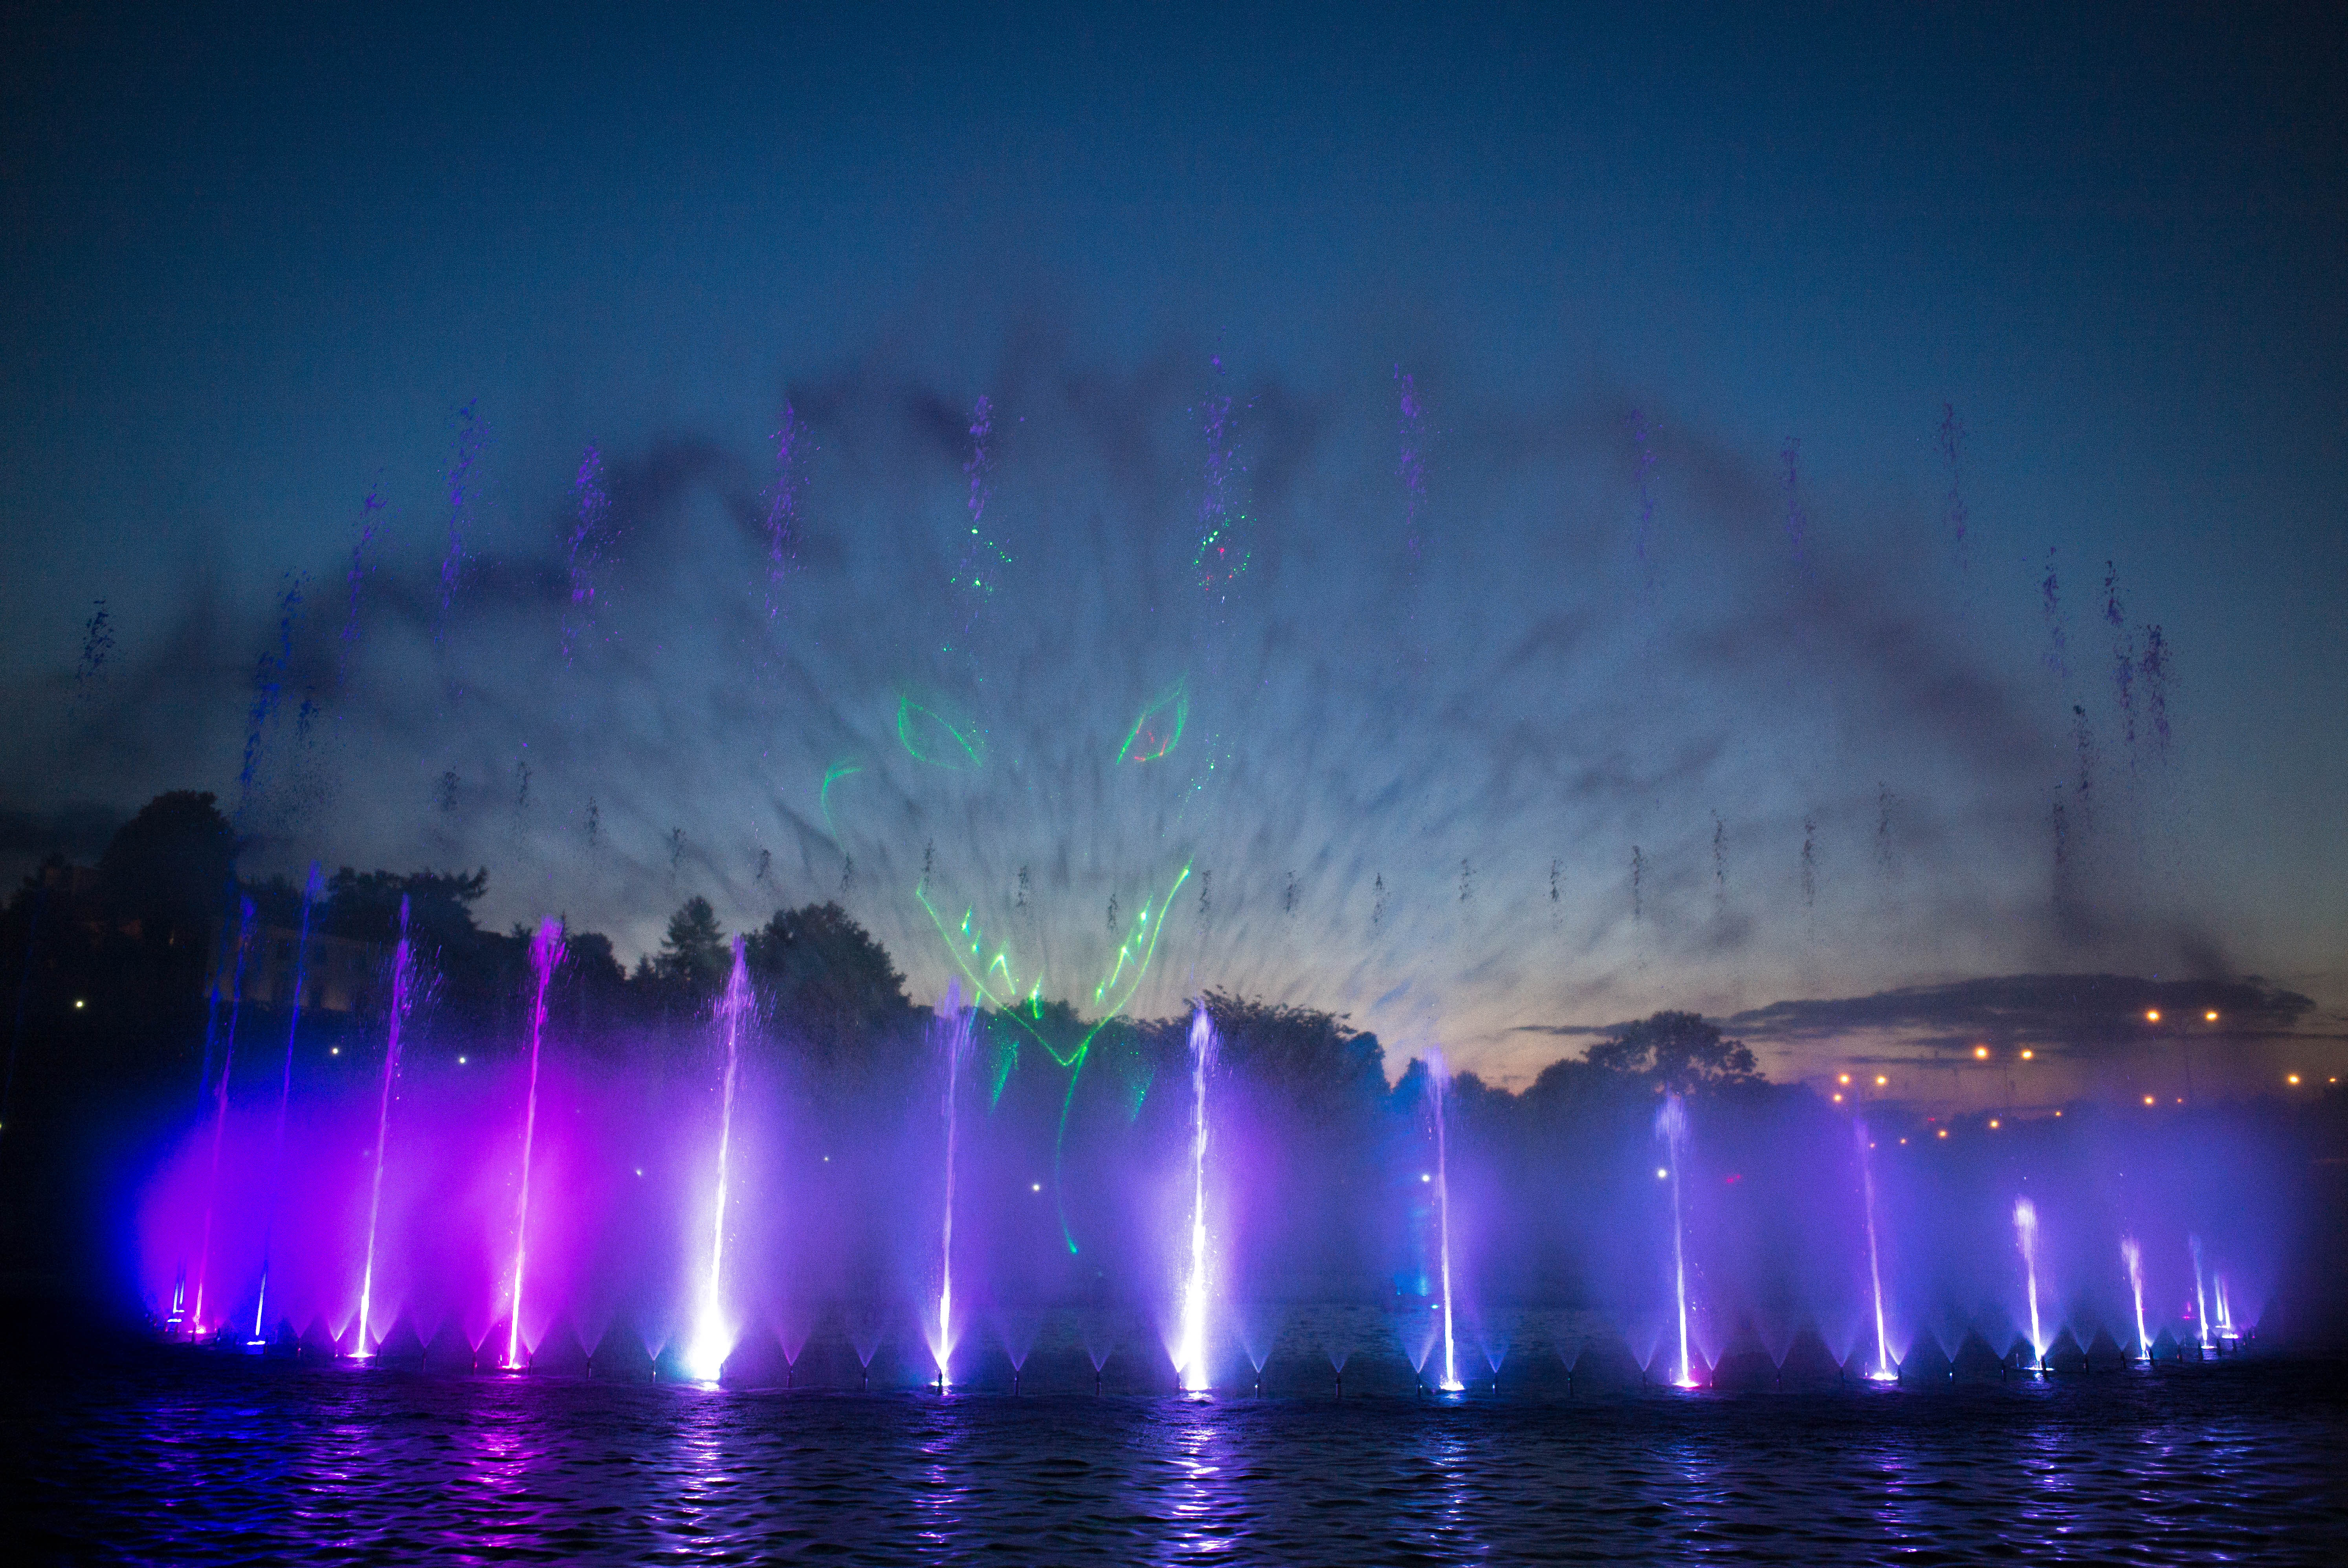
(1676, 1051)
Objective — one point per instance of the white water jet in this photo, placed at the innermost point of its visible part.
(2133, 1257)
(1190, 1355)
(2225, 1312)
(1885, 1372)
(2025, 1235)
(711, 1337)
(1438, 1079)
(1671, 1122)
(2200, 1296)
(955, 1026)
(399, 962)
(545, 952)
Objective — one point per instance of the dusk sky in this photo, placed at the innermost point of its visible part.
(1639, 448)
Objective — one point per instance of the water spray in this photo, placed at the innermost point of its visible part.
(1190, 1357)
(220, 1119)
(1671, 1122)
(2025, 1235)
(2200, 1295)
(1438, 1079)
(400, 957)
(1885, 1372)
(2133, 1257)
(285, 1096)
(545, 953)
(710, 1336)
(955, 1033)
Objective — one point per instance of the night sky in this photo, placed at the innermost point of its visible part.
(1636, 450)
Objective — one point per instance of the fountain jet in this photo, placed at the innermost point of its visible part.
(711, 1336)
(545, 953)
(1671, 1122)
(2200, 1296)
(220, 1117)
(1192, 1355)
(1438, 1080)
(2025, 1235)
(2133, 1257)
(954, 1031)
(1885, 1372)
(285, 1097)
(400, 957)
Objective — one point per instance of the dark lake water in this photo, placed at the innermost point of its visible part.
(178, 1457)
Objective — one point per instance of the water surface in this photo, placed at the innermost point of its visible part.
(180, 1457)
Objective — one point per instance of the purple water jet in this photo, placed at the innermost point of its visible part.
(1190, 1355)
(284, 1098)
(545, 953)
(220, 1121)
(401, 957)
(1439, 1083)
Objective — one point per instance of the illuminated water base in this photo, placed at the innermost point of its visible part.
(954, 1034)
(284, 1098)
(712, 1338)
(1671, 1122)
(400, 958)
(2025, 1236)
(1885, 1372)
(1438, 1080)
(1190, 1352)
(545, 953)
(220, 1115)
(2132, 1255)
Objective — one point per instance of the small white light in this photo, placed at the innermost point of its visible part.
(80, 1004)
(1034, 1186)
(460, 1061)
(1660, 1172)
(1423, 1177)
(640, 1170)
(334, 1051)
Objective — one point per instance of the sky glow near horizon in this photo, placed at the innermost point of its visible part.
(1656, 655)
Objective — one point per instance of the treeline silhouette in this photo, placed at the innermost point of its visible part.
(131, 974)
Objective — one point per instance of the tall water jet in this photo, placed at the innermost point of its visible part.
(1191, 1356)
(954, 1036)
(2025, 1236)
(401, 957)
(1885, 1372)
(545, 952)
(220, 1115)
(1671, 1122)
(2200, 1296)
(2133, 1257)
(1438, 1080)
(712, 1338)
(285, 1097)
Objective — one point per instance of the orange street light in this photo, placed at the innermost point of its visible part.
(2152, 1015)
(1981, 1053)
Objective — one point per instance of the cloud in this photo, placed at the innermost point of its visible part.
(2085, 1015)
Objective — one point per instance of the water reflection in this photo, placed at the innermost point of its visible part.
(1203, 1518)
(190, 1461)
